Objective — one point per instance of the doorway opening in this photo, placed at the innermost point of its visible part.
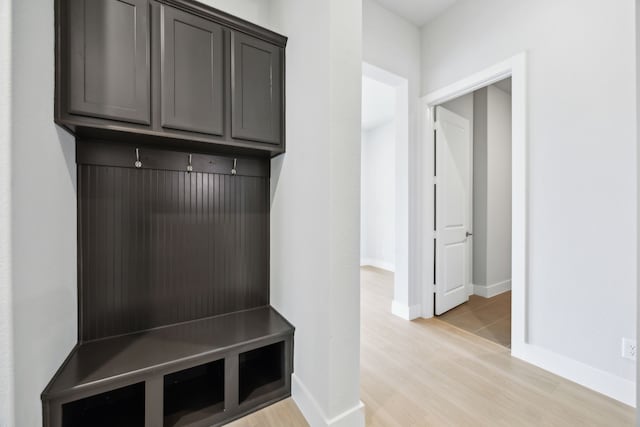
(377, 216)
(514, 67)
(473, 212)
(384, 200)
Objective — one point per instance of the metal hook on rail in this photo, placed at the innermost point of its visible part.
(138, 163)
(189, 165)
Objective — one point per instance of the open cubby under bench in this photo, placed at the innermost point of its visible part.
(200, 373)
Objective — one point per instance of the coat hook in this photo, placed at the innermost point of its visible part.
(138, 163)
(189, 165)
(235, 164)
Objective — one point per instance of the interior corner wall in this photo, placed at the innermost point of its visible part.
(43, 214)
(378, 197)
(480, 187)
(6, 321)
(462, 106)
(393, 44)
(315, 206)
(492, 191)
(582, 169)
(498, 189)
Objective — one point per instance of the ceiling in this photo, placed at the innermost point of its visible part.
(419, 12)
(378, 103)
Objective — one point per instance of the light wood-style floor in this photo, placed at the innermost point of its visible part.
(489, 318)
(430, 373)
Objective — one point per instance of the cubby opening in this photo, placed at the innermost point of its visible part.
(261, 371)
(123, 407)
(194, 394)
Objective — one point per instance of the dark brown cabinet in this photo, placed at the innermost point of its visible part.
(176, 107)
(108, 74)
(191, 73)
(256, 89)
(169, 72)
(174, 322)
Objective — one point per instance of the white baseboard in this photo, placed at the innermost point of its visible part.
(378, 263)
(595, 379)
(490, 291)
(405, 311)
(314, 414)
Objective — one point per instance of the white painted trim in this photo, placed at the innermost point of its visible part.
(404, 311)
(601, 381)
(378, 263)
(314, 414)
(383, 76)
(353, 417)
(474, 82)
(492, 290)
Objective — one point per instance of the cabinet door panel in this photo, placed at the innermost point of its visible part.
(256, 90)
(109, 75)
(192, 79)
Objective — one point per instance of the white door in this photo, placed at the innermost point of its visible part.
(453, 210)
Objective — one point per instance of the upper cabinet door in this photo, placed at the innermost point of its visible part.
(109, 75)
(256, 90)
(192, 73)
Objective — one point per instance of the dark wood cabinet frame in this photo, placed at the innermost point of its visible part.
(173, 215)
(148, 126)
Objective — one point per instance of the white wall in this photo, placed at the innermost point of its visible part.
(462, 106)
(582, 159)
(6, 329)
(315, 197)
(492, 192)
(43, 203)
(256, 11)
(498, 187)
(480, 174)
(393, 44)
(637, 17)
(378, 219)
(637, 5)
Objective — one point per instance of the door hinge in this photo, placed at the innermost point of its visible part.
(435, 180)
(435, 288)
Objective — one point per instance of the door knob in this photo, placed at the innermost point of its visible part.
(469, 234)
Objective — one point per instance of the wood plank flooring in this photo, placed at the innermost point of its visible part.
(430, 373)
(489, 318)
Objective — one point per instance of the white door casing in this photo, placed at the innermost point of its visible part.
(453, 210)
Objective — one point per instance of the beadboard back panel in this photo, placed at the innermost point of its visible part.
(159, 245)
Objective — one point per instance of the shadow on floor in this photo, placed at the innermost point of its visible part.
(489, 318)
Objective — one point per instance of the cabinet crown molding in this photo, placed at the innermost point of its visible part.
(228, 20)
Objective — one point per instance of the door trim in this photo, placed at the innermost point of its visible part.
(514, 67)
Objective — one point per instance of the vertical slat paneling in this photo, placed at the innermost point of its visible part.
(160, 247)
